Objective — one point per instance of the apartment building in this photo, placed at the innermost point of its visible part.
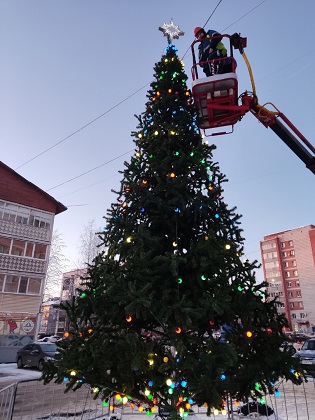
(26, 224)
(71, 280)
(288, 260)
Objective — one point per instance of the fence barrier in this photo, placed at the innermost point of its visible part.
(32, 400)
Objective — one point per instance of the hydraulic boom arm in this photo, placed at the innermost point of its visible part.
(276, 120)
(287, 132)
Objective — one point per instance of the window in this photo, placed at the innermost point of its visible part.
(302, 314)
(268, 245)
(286, 264)
(11, 284)
(290, 294)
(284, 254)
(295, 273)
(1, 281)
(298, 293)
(289, 284)
(287, 274)
(18, 248)
(29, 249)
(282, 244)
(23, 284)
(293, 263)
(291, 304)
(297, 284)
(300, 305)
(34, 285)
(5, 244)
(290, 243)
(292, 253)
(40, 251)
(293, 316)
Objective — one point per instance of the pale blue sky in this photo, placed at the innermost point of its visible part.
(64, 63)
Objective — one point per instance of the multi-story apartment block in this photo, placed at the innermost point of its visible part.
(49, 317)
(288, 260)
(70, 282)
(26, 224)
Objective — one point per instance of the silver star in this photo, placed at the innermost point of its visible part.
(171, 30)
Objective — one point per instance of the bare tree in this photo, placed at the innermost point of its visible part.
(56, 266)
(89, 243)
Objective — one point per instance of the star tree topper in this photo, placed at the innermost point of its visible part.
(171, 30)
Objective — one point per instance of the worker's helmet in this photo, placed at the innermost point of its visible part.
(197, 30)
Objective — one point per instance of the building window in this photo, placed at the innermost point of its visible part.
(23, 285)
(34, 286)
(290, 294)
(292, 253)
(286, 264)
(302, 315)
(293, 316)
(295, 273)
(282, 244)
(5, 244)
(298, 293)
(21, 248)
(268, 245)
(297, 284)
(287, 274)
(290, 243)
(300, 304)
(289, 284)
(11, 284)
(284, 254)
(293, 263)
(291, 304)
(18, 248)
(40, 251)
(20, 285)
(19, 214)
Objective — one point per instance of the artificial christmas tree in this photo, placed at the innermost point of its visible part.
(143, 324)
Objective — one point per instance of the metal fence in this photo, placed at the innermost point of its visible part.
(32, 400)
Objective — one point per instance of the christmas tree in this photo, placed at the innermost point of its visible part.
(142, 326)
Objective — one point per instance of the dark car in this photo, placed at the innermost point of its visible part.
(307, 355)
(36, 354)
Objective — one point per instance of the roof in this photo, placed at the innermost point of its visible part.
(17, 189)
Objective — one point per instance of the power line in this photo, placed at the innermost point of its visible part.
(110, 109)
(82, 128)
(244, 15)
(91, 170)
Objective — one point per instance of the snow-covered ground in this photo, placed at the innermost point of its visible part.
(10, 373)
(294, 402)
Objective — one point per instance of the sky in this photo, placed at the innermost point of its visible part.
(74, 73)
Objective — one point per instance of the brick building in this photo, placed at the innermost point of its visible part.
(26, 224)
(288, 260)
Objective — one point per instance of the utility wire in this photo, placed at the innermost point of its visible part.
(91, 170)
(204, 25)
(82, 128)
(110, 109)
(245, 15)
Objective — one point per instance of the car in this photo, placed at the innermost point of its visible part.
(307, 355)
(36, 354)
(49, 339)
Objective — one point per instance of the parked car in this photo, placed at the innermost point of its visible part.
(307, 355)
(49, 339)
(36, 354)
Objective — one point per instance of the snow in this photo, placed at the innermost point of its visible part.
(9, 371)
